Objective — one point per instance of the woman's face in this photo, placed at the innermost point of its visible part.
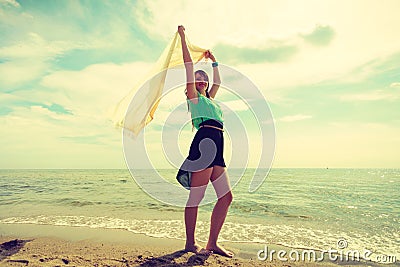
(201, 82)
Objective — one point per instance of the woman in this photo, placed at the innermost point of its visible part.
(208, 165)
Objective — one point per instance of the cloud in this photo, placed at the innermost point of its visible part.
(339, 144)
(27, 60)
(320, 36)
(12, 3)
(34, 46)
(280, 81)
(234, 55)
(17, 73)
(261, 21)
(375, 95)
(36, 137)
(86, 139)
(293, 118)
(86, 95)
(235, 105)
(266, 23)
(395, 85)
(62, 109)
(273, 51)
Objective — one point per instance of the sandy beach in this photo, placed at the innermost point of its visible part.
(78, 246)
(44, 245)
(58, 252)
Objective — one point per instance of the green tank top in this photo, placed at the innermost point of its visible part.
(205, 109)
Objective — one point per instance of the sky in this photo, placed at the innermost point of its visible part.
(329, 71)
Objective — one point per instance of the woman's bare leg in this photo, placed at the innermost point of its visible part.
(198, 185)
(220, 180)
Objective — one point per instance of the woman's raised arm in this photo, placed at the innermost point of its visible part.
(216, 78)
(190, 85)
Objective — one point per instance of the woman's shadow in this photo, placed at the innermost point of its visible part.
(12, 247)
(170, 259)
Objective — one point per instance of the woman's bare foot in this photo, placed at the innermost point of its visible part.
(196, 249)
(217, 249)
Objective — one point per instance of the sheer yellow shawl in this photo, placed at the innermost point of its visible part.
(135, 118)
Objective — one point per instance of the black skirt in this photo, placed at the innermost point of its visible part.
(206, 150)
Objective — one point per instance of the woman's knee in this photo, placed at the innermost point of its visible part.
(227, 198)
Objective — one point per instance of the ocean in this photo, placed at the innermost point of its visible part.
(356, 209)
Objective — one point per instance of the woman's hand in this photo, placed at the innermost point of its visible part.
(209, 55)
(181, 30)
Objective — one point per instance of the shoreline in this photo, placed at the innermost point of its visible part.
(47, 245)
